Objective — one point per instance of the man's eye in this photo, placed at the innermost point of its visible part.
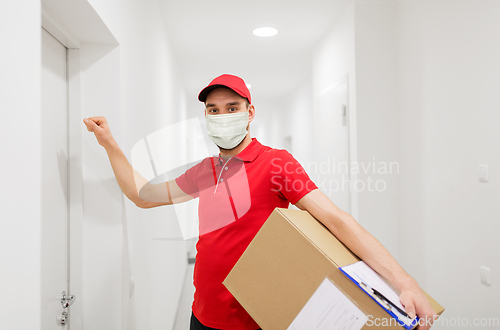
(233, 109)
(212, 110)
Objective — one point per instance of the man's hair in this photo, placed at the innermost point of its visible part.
(246, 100)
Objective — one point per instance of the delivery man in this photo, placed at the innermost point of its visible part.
(237, 192)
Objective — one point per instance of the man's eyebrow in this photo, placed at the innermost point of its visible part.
(209, 105)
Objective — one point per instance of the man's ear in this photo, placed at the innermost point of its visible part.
(251, 113)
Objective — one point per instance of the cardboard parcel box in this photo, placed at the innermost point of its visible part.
(285, 264)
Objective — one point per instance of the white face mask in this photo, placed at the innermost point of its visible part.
(227, 130)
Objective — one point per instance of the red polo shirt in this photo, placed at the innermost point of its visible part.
(236, 196)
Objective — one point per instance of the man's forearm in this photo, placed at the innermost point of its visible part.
(370, 250)
(129, 180)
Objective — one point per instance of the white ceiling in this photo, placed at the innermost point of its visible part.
(212, 37)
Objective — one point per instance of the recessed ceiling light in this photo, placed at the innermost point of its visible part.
(248, 86)
(265, 32)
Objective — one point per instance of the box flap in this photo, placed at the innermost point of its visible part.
(319, 236)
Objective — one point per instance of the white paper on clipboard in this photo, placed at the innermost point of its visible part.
(327, 309)
(361, 272)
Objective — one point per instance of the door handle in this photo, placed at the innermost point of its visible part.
(67, 300)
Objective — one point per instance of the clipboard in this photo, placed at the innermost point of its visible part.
(374, 286)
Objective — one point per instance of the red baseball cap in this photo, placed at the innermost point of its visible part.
(228, 80)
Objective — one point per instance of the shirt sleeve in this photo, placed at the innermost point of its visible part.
(288, 177)
(188, 181)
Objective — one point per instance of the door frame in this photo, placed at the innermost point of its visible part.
(56, 28)
(351, 133)
(351, 140)
(57, 19)
(352, 192)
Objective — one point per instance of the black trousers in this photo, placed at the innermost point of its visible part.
(196, 324)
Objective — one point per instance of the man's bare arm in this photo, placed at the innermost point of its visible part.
(165, 193)
(134, 186)
(369, 249)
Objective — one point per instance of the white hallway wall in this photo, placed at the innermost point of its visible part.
(20, 148)
(377, 126)
(448, 109)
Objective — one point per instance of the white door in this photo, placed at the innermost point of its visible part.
(54, 140)
(333, 142)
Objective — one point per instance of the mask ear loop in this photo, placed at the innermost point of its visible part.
(223, 166)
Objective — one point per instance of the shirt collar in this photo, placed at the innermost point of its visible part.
(250, 152)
